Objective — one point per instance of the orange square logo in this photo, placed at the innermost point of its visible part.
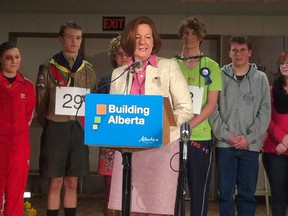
(101, 109)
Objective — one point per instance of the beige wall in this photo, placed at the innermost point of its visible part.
(166, 24)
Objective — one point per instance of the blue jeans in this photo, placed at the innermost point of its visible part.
(276, 167)
(237, 169)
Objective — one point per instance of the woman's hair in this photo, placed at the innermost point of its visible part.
(283, 57)
(128, 41)
(4, 47)
(193, 23)
(114, 47)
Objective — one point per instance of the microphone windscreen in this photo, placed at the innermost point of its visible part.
(138, 64)
(185, 132)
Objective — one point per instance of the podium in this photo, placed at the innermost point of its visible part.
(127, 123)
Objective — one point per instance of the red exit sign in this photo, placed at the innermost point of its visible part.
(113, 23)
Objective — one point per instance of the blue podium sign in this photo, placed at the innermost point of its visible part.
(123, 120)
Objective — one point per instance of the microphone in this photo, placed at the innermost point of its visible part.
(130, 69)
(185, 137)
(185, 132)
(137, 64)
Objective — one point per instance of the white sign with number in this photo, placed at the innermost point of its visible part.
(70, 101)
(197, 98)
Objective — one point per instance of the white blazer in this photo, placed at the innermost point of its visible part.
(166, 79)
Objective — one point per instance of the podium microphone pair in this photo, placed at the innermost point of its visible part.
(131, 69)
(137, 64)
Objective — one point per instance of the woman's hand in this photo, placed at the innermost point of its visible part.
(281, 148)
(285, 140)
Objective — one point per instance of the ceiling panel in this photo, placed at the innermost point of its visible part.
(146, 7)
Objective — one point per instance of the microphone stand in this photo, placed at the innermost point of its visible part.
(127, 82)
(127, 164)
(126, 184)
(127, 155)
(182, 179)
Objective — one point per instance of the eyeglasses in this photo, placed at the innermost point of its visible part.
(283, 64)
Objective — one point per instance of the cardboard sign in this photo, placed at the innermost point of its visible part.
(70, 101)
(197, 98)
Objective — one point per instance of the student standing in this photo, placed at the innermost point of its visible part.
(239, 124)
(275, 154)
(63, 156)
(203, 77)
(17, 104)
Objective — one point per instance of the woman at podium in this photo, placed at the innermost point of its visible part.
(153, 180)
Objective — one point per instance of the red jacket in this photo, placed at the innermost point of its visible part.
(17, 103)
(278, 128)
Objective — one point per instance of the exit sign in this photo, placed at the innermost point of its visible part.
(113, 23)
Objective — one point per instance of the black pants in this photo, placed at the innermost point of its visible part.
(199, 167)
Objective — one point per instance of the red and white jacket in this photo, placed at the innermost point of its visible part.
(17, 104)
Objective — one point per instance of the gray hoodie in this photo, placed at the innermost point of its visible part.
(243, 108)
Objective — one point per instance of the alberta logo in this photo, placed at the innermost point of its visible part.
(101, 109)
